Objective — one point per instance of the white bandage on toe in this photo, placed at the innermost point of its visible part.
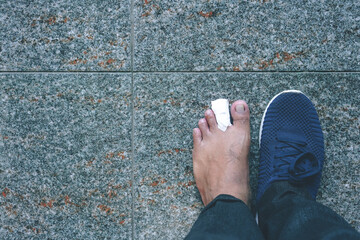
(220, 108)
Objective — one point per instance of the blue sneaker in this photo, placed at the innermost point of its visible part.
(291, 143)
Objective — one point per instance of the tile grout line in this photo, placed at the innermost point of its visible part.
(170, 72)
(132, 119)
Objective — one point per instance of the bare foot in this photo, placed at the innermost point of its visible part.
(220, 158)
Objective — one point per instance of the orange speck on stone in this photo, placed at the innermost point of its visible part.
(79, 35)
(43, 204)
(179, 192)
(287, 56)
(113, 43)
(111, 194)
(219, 68)
(4, 194)
(105, 209)
(74, 62)
(67, 199)
(52, 20)
(49, 204)
(90, 37)
(110, 61)
(99, 101)
(122, 63)
(263, 65)
(161, 152)
(89, 163)
(174, 103)
(177, 150)
(163, 181)
(155, 183)
(236, 69)
(107, 53)
(146, 1)
(147, 13)
(6, 190)
(121, 154)
(122, 222)
(206, 15)
(278, 55)
(165, 101)
(85, 52)
(271, 61)
(66, 19)
(6, 137)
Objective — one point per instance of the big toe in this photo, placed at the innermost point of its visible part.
(240, 114)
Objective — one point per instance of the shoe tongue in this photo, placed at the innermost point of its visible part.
(291, 134)
(304, 164)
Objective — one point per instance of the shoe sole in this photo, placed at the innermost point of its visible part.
(263, 117)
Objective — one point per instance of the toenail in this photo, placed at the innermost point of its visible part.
(240, 108)
(202, 120)
(208, 112)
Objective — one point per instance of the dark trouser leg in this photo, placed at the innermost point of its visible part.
(226, 217)
(288, 212)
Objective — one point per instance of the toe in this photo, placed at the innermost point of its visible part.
(210, 118)
(204, 127)
(240, 114)
(196, 137)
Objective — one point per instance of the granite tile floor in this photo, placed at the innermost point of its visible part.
(98, 100)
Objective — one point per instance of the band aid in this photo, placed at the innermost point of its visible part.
(220, 108)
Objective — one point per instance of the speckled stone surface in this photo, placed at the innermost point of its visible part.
(166, 199)
(105, 155)
(168, 106)
(65, 156)
(254, 35)
(65, 35)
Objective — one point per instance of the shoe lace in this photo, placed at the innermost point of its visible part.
(294, 161)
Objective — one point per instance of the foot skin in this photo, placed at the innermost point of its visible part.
(220, 159)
